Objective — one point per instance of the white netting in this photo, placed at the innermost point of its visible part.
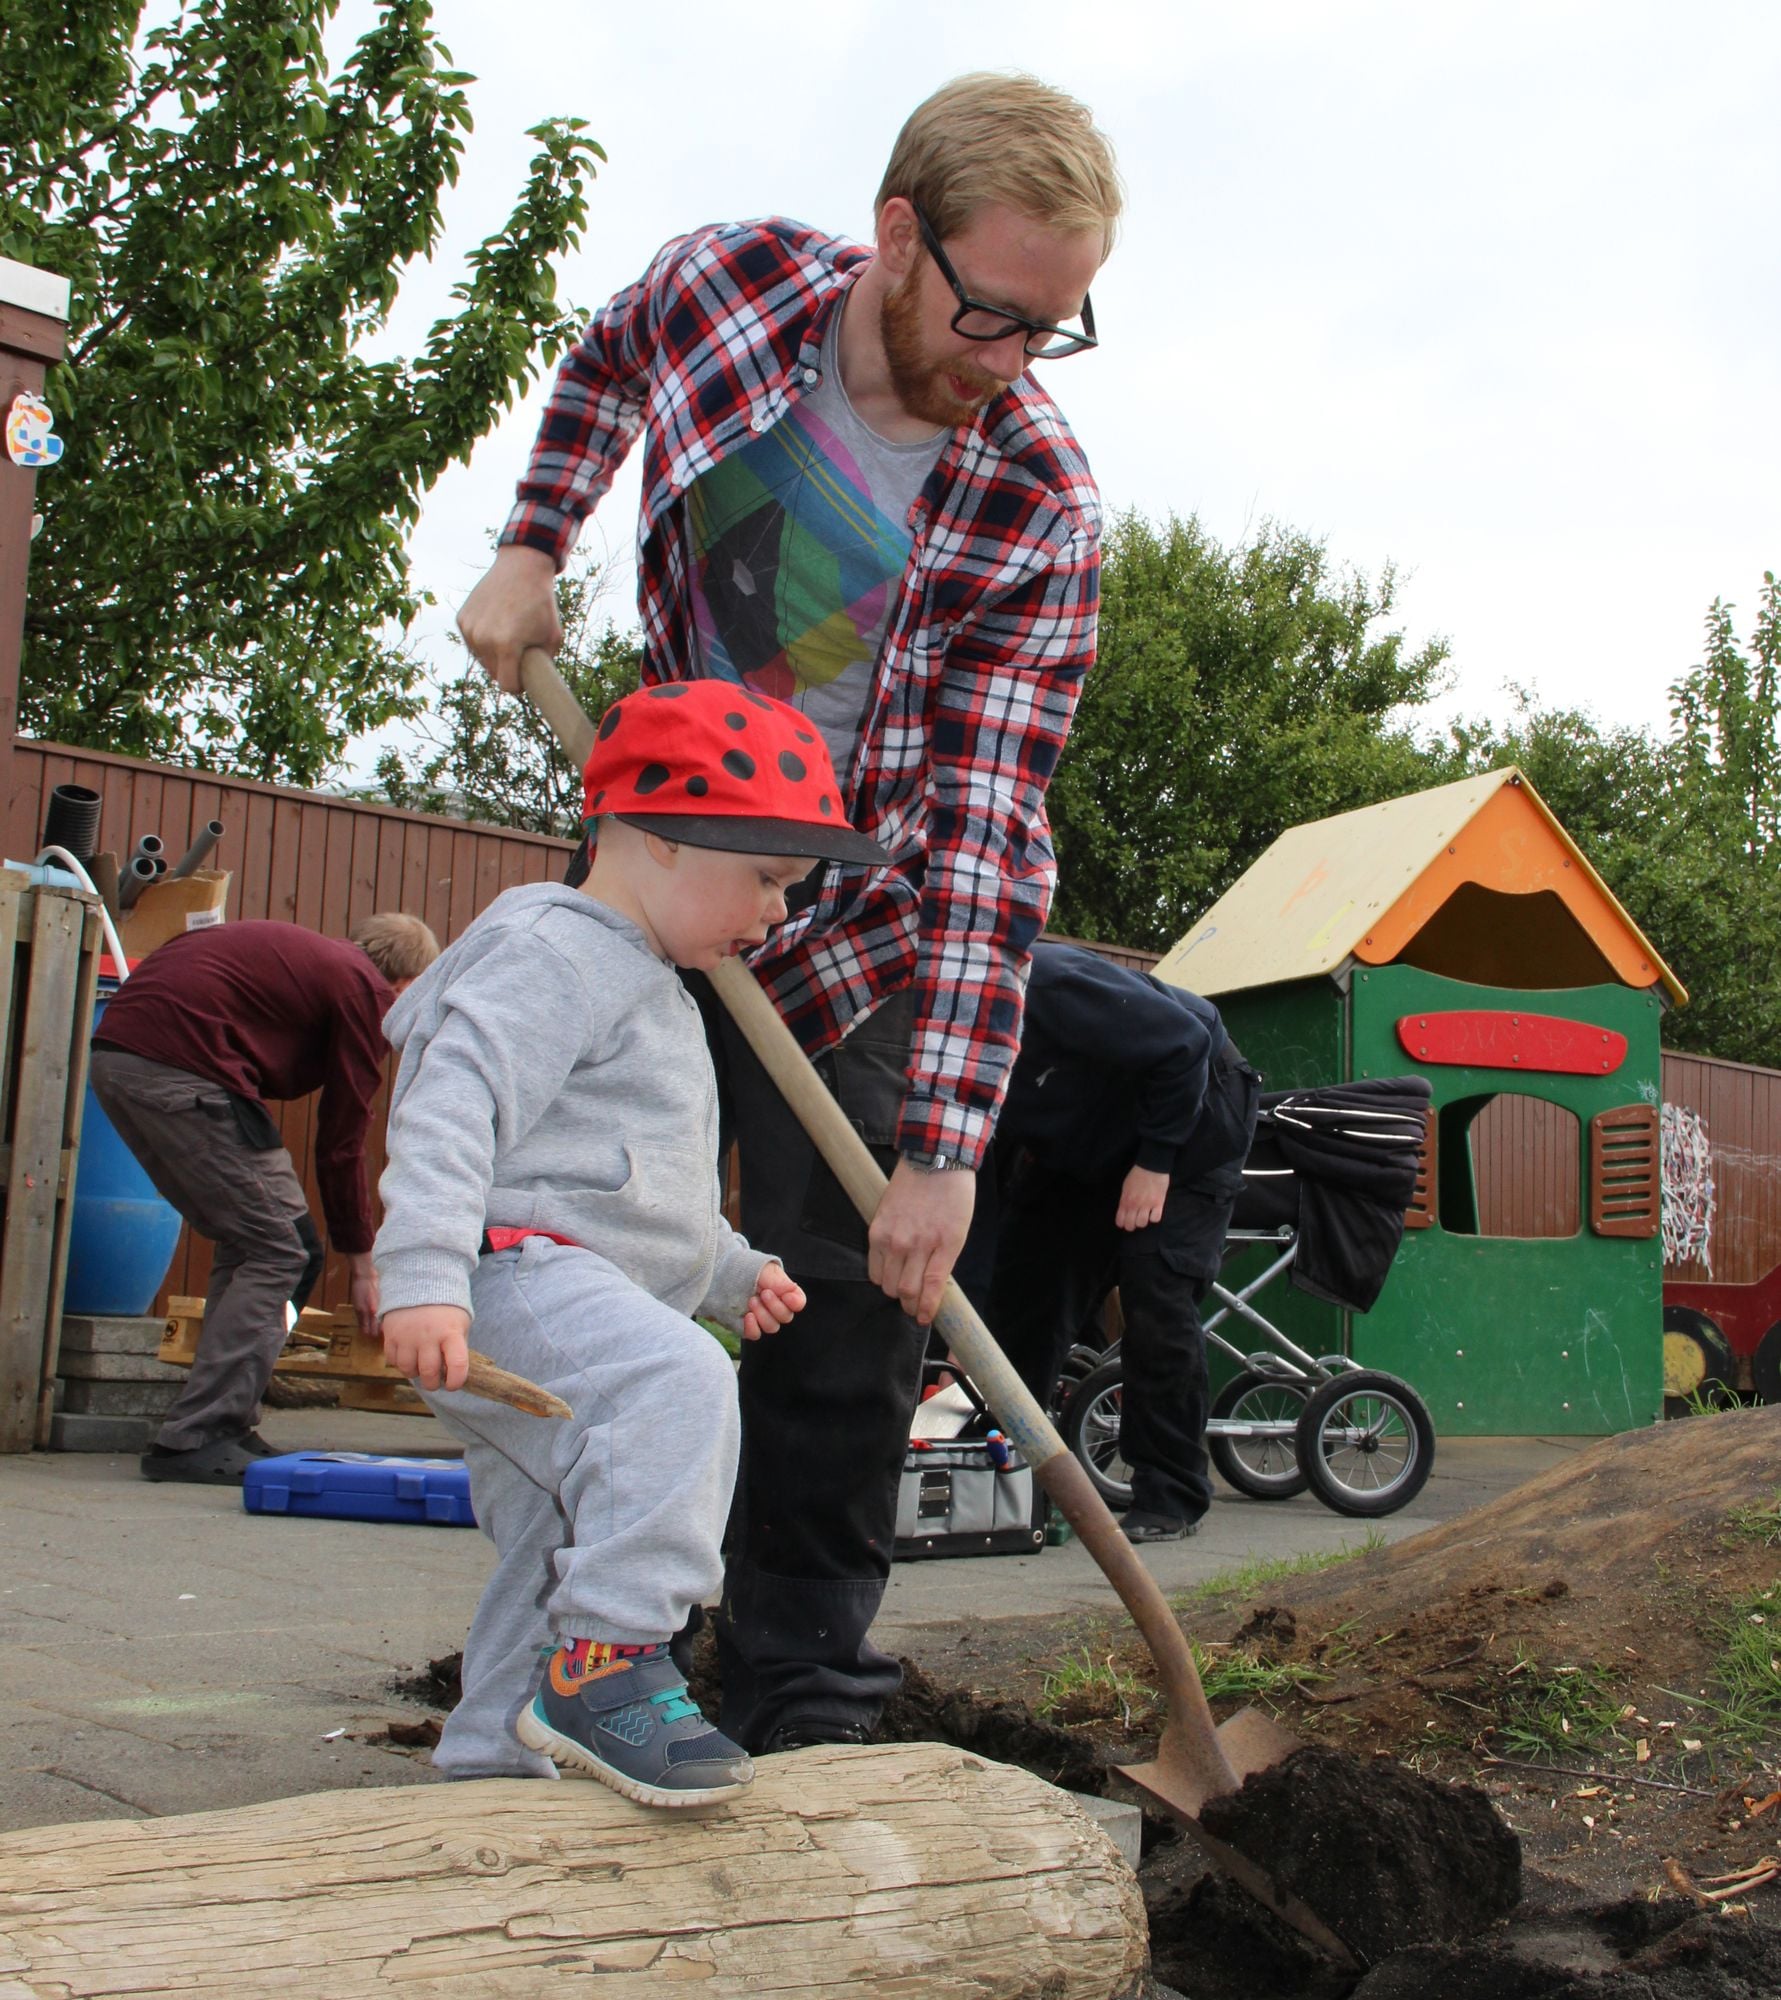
(1687, 1188)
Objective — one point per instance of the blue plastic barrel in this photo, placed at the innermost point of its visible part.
(123, 1235)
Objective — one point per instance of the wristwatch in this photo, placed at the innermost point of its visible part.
(932, 1163)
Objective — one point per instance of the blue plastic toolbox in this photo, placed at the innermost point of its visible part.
(360, 1486)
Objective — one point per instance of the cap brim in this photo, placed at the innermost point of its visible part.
(741, 835)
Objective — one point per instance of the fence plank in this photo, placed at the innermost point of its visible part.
(34, 1180)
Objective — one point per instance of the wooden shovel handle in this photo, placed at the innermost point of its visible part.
(500, 1385)
(1016, 1408)
(552, 697)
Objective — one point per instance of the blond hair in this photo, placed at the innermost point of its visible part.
(400, 946)
(1009, 138)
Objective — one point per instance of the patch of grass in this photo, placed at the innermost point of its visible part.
(1748, 1668)
(1710, 1400)
(1760, 1522)
(1087, 1689)
(1247, 1578)
(1090, 1690)
(1547, 1711)
(1228, 1673)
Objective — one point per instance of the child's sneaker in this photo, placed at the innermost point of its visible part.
(622, 1714)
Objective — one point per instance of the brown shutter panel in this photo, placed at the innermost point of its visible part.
(1423, 1203)
(1625, 1171)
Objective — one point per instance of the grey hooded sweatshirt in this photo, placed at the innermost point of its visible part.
(554, 1076)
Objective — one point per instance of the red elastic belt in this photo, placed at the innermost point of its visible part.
(509, 1239)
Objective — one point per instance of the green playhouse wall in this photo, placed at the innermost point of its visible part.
(1502, 1336)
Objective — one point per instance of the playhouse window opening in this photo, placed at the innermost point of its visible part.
(1489, 937)
(1511, 1165)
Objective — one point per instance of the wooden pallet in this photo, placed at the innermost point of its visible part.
(329, 1346)
(49, 966)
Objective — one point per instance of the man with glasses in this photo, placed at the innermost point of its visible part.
(856, 497)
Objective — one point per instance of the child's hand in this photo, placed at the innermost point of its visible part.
(429, 1344)
(775, 1299)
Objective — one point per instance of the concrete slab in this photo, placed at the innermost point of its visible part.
(163, 1651)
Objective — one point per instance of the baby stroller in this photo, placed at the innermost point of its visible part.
(1325, 1188)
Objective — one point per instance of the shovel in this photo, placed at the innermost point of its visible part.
(1196, 1759)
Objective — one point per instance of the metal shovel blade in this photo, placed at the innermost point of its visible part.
(1251, 1741)
(1177, 1781)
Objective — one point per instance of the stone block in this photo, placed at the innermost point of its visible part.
(82, 1334)
(69, 1432)
(1123, 1824)
(112, 1366)
(120, 1399)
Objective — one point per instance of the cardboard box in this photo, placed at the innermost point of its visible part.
(166, 909)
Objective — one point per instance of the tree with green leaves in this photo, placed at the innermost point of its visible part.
(1686, 830)
(222, 575)
(1238, 691)
(489, 756)
(1706, 885)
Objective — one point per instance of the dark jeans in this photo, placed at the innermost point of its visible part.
(1058, 1248)
(826, 1404)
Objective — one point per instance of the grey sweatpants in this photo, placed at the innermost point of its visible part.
(606, 1525)
(249, 1203)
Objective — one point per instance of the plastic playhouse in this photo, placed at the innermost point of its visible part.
(1460, 935)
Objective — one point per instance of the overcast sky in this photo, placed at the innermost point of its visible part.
(1489, 291)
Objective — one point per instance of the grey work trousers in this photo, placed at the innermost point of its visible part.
(607, 1524)
(183, 1131)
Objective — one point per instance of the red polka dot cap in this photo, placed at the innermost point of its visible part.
(713, 764)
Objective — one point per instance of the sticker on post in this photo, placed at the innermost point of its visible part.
(202, 920)
(31, 431)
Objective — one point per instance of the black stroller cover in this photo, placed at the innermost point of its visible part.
(1339, 1164)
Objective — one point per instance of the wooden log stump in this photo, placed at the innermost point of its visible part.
(907, 1870)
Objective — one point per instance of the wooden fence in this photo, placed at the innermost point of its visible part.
(325, 862)
(302, 857)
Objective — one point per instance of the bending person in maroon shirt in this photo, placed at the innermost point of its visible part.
(206, 1030)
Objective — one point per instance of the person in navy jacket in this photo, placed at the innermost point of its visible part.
(1129, 1116)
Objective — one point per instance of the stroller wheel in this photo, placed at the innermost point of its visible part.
(1265, 1467)
(1366, 1443)
(1090, 1429)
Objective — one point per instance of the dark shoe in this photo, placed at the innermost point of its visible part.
(1140, 1525)
(807, 1735)
(252, 1443)
(630, 1722)
(222, 1462)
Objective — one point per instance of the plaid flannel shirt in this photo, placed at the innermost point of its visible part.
(976, 682)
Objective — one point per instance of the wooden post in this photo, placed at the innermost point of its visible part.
(33, 331)
(49, 963)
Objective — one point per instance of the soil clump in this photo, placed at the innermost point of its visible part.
(1386, 1858)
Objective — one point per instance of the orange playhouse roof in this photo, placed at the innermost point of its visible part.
(1476, 880)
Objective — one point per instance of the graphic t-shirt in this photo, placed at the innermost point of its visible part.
(799, 539)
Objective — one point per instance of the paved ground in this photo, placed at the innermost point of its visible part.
(162, 1651)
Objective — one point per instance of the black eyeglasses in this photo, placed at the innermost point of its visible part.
(976, 321)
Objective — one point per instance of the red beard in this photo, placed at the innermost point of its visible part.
(926, 388)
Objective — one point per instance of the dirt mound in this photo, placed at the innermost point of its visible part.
(1386, 1858)
(1599, 1523)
